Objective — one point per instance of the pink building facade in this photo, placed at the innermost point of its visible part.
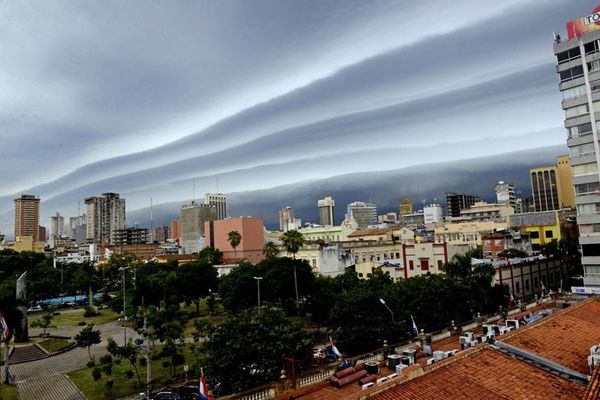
(252, 232)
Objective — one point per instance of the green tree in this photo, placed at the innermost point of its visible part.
(88, 337)
(282, 276)
(45, 322)
(292, 240)
(238, 288)
(245, 351)
(270, 250)
(211, 255)
(195, 280)
(234, 238)
(127, 352)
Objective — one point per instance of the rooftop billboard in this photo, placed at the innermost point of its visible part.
(580, 26)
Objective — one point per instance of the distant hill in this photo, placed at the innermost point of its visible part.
(421, 183)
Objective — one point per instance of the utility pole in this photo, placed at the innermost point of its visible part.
(148, 353)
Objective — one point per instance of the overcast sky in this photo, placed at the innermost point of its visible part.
(139, 96)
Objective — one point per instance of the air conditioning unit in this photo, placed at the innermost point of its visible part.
(400, 367)
(503, 330)
(406, 361)
(411, 354)
(393, 360)
(469, 335)
(451, 353)
(512, 323)
(593, 360)
(474, 343)
(595, 350)
(439, 355)
(382, 379)
(430, 361)
(486, 328)
(392, 376)
(367, 385)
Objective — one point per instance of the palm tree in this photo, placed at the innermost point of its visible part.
(293, 240)
(234, 238)
(270, 250)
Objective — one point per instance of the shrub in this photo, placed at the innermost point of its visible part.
(143, 361)
(96, 373)
(117, 361)
(81, 323)
(108, 389)
(56, 313)
(166, 364)
(106, 359)
(107, 369)
(129, 374)
(91, 363)
(90, 312)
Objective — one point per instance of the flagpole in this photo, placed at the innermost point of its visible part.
(6, 373)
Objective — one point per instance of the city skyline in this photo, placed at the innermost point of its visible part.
(379, 87)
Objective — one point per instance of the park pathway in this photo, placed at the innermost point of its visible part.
(46, 379)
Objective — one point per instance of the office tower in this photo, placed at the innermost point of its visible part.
(42, 234)
(363, 213)
(161, 234)
(544, 188)
(286, 218)
(219, 200)
(58, 225)
(105, 214)
(566, 194)
(27, 217)
(326, 207)
(505, 193)
(579, 71)
(175, 229)
(193, 216)
(78, 229)
(455, 202)
(127, 236)
(433, 213)
(406, 206)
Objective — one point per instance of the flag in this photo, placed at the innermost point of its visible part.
(511, 300)
(5, 331)
(203, 387)
(543, 289)
(414, 326)
(334, 349)
(344, 363)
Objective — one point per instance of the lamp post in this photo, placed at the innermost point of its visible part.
(389, 309)
(258, 279)
(124, 314)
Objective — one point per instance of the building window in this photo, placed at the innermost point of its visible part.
(589, 229)
(360, 274)
(571, 73)
(585, 169)
(591, 47)
(314, 263)
(527, 284)
(411, 265)
(534, 235)
(535, 282)
(574, 92)
(397, 255)
(579, 130)
(440, 264)
(517, 287)
(568, 55)
(586, 188)
(549, 234)
(425, 265)
(577, 111)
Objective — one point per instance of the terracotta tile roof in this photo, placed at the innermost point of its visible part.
(593, 390)
(484, 373)
(565, 337)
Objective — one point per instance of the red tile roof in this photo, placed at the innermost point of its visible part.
(484, 373)
(593, 390)
(565, 337)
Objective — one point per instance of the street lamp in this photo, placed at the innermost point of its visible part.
(389, 309)
(258, 279)
(124, 314)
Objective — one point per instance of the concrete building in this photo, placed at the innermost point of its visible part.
(433, 214)
(455, 202)
(42, 233)
(131, 236)
(161, 234)
(406, 206)
(326, 260)
(505, 194)
(286, 218)
(252, 232)
(485, 211)
(468, 233)
(57, 226)
(363, 213)
(328, 234)
(579, 72)
(193, 218)
(175, 230)
(78, 229)
(105, 214)
(542, 227)
(326, 208)
(412, 221)
(27, 217)
(566, 193)
(552, 186)
(219, 200)
(26, 243)
(388, 218)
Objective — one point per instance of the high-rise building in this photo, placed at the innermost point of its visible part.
(505, 193)
(27, 217)
(42, 234)
(544, 188)
(219, 200)
(175, 230)
(286, 218)
(363, 213)
(78, 228)
(406, 206)
(127, 236)
(193, 216)
(326, 207)
(578, 67)
(161, 234)
(566, 194)
(455, 202)
(58, 226)
(433, 213)
(105, 214)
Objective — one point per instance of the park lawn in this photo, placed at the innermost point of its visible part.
(54, 345)
(74, 316)
(9, 392)
(123, 386)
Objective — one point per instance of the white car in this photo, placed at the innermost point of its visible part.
(33, 309)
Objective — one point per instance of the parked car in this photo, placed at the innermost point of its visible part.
(36, 308)
(177, 394)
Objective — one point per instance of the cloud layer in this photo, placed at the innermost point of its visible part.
(152, 98)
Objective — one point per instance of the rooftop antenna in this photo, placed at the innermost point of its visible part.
(217, 183)
(193, 188)
(151, 219)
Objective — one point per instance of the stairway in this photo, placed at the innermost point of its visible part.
(26, 354)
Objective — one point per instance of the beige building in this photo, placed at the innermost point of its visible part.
(552, 186)
(328, 234)
(467, 232)
(326, 260)
(406, 206)
(26, 243)
(566, 193)
(27, 216)
(487, 211)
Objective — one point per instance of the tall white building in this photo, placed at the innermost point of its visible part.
(326, 208)
(105, 214)
(433, 213)
(219, 200)
(578, 66)
(505, 194)
(192, 219)
(57, 226)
